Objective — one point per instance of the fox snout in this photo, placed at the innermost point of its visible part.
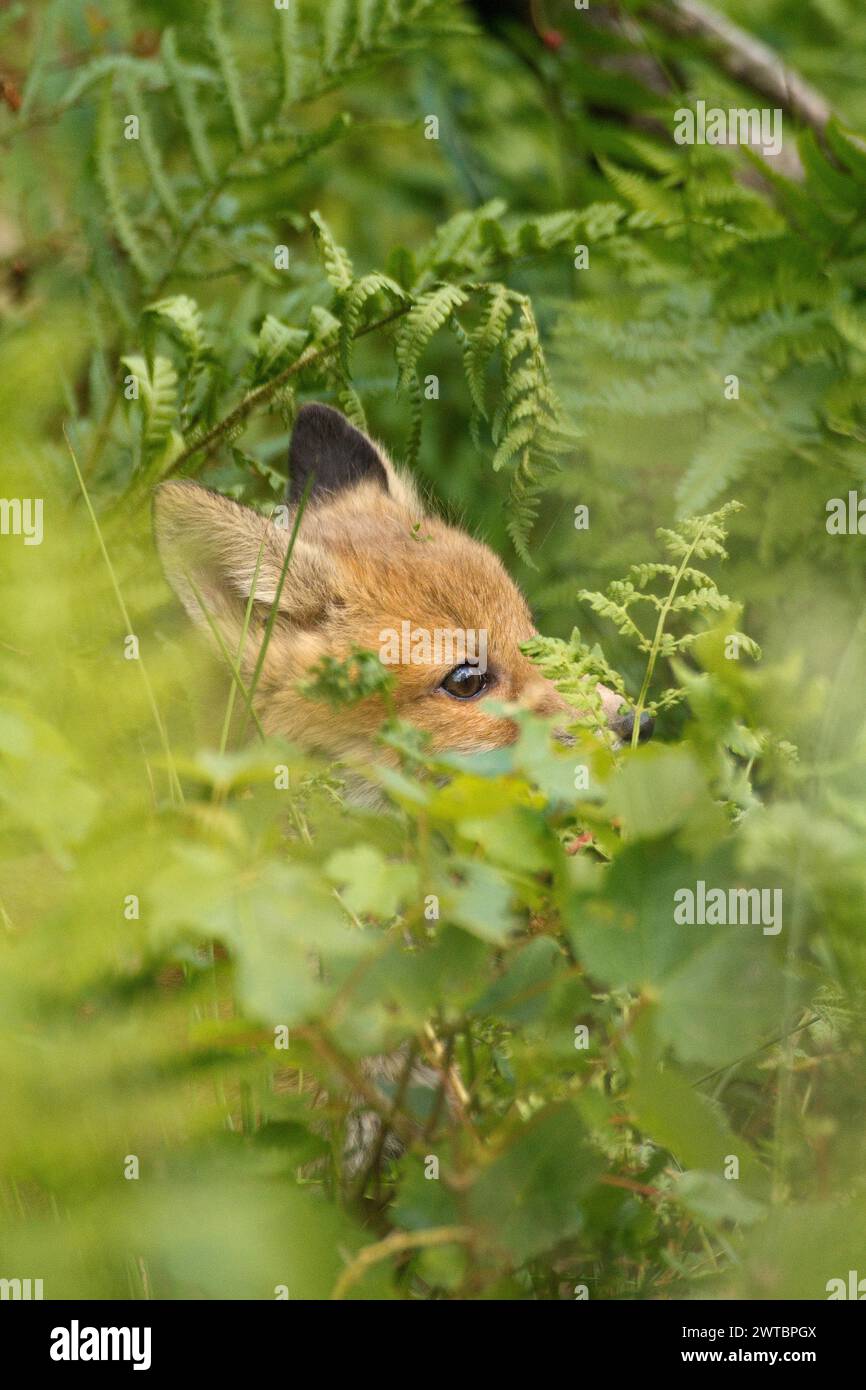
(542, 697)
(371, 568)
(621, 720)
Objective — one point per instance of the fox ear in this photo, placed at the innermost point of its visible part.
(338, 456)
(213, 550)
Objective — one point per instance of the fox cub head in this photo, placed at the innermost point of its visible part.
(371, 569)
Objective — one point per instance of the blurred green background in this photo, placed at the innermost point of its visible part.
(133, 1035)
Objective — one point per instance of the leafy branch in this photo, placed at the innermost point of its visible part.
(574, 667)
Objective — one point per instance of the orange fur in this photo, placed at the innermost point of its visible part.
(366, 560)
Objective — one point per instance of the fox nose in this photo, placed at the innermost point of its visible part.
(625, 727)
(621, 720)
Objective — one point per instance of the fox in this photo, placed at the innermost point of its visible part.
(372, 568)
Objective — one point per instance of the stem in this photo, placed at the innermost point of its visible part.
(174, 781)
(660, 627)
(263, 393)
(226, 654)
(743, 57)
(396, 1244)
(272, 615)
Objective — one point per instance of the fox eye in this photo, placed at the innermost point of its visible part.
(465, 682)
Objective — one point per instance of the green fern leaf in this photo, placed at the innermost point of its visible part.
(338, 35)
(335, 259)
(430, 312)
(229, 69)
(182, 317)
(121, 220)
(157, 393)
(276, 347)
(150, 152)
(832, 184)
(184, 92)
(646, 195)
(722, 458)
(291, 59)
(483, 342)
(355, 300)
(849, 148)
(138, 71)
(372, 18)
(458, 243)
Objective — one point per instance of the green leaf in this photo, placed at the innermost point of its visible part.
(530, 1198)
(369, 883)
(480, 902)
(659, 789)
(688, 1124)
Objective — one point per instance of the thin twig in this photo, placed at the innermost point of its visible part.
(747, 59)
(262, 394)
(395, 1244)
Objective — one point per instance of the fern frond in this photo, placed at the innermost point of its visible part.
(839, 189)
(416, 420)
(576, 669)
(648, 196)
(121, 221)
(523, 500)
(351, 405)
(483, 341)
(722, 457)
(277, 345)
(848, 148)
(137, 71)
(546, 233)
(182, 317)
(850, 322)
(291, 60)
(372, 17)
(228, 67)
(429, 313)
(338, 34)
(193, 122)
(151, 154)
(616, 613)
(157, 393)
(354, 302)
(457, 244)
(335, 259)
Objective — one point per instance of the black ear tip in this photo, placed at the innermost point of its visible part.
(329, 446)
(314, 411)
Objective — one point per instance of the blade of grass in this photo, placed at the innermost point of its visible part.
(226, 654)
(176, 791)
(230, 703)
(272, 616)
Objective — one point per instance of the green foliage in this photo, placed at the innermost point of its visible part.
(206, 938)
(345, 682)
(690, 591)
